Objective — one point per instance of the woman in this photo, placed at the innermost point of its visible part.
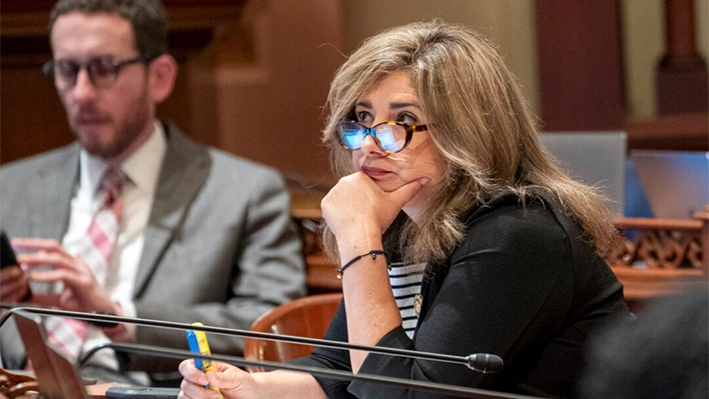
(487, 246)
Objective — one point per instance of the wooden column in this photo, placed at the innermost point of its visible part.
(682, 73)
(580, 64)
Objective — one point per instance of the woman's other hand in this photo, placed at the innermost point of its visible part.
(14, 285)
(231, 381)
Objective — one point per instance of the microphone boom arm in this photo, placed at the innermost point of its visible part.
(484, 363)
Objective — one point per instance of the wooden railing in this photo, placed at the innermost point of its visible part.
(660, 244)
(657, 257)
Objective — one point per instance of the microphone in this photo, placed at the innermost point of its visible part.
(483, 362)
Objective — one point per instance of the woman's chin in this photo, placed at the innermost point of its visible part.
(387, 186)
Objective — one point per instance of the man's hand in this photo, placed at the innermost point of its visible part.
(14, 284)
(81, 291)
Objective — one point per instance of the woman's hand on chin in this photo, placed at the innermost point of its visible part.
(357, 207)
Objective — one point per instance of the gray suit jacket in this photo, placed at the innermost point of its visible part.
(220, 247)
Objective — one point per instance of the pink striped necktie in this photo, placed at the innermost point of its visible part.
(68, 334)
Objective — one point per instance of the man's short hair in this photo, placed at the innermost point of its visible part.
(147, 18)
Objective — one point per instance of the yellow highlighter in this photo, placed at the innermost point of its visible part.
(198, 344)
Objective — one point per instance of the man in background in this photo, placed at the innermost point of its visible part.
(134, 218)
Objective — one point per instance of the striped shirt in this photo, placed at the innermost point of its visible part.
(406, 284)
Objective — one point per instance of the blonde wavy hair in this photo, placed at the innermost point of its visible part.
(483, 129)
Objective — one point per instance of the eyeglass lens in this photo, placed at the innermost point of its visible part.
(102, 71)
(389, 137)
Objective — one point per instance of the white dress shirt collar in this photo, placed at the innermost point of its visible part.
(142, 167)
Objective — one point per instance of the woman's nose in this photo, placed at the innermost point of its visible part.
(371, 145)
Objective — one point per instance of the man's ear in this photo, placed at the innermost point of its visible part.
(161, 74)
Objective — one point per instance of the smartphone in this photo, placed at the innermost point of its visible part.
(7, 255)
(142, 393)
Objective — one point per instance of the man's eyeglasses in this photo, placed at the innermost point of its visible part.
(103, 71)
(390, 136)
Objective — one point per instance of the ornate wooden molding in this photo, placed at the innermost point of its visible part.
(658, 257)
(658, 244)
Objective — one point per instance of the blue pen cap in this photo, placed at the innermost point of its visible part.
(194, 348)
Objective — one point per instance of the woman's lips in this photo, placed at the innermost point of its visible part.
(374, 172)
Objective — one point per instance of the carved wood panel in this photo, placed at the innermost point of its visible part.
(659, 244)
(658, 257)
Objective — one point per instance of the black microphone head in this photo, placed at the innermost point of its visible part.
(485, 363)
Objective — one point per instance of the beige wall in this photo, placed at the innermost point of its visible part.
(644, 45)
(702, 10)
(511, 25)
(508, 23)
(269, 108)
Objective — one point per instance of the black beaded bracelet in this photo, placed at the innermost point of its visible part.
(373, 254)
